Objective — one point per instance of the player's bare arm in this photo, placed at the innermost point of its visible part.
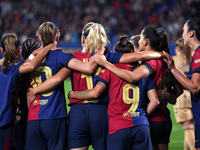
(192, 85)
(129, 76)
(49, 84)
(37, 60)
(88, 94)
(141, 56)
(153, 101)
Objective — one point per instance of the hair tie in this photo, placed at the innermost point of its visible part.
(159, 31)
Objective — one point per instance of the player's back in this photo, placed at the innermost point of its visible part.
(128, 102)
(8, 86)
(181, 64)
(81, 81)
(49, 105)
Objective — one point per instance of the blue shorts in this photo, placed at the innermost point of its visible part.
(20, 135)
(160, 132)
(137, 138)
(46, 134)
(6, 137)
(197, 136)
(88, 125)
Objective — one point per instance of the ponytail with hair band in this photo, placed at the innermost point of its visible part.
(162, 46)
(159, 31)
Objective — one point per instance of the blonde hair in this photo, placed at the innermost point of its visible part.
(95, 36)
(185, 50)
(135, 40)
(10, 44)
(48, 32)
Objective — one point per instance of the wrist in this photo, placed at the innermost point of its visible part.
(70, 94)
(173, 69)
(35, 92)
(106, 64)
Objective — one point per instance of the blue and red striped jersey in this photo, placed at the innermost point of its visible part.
(49, 105)
(127, 102)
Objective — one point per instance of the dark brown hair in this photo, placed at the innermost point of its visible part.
(10, 44)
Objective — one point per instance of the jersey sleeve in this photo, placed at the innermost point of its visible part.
(151, 83)
(151, 65)
(113, 57)
(195, 66)
(104, 77)
(63, 57)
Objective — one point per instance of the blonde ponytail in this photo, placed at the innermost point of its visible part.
(95, 36)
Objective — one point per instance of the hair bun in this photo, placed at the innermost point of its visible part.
(159, 31)
(124, 40)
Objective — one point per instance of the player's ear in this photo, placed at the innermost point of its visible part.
(146, 41)
(83, 39)
(191, 33)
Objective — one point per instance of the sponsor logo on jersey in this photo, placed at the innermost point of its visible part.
(41, 102)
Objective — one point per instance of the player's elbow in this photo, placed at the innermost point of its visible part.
(32, 67)
(131, 79)
(195, 91)
(89, 71)
(94, 94)
(59, 80)
(157, 102)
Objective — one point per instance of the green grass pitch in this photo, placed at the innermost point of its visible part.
(177, 135)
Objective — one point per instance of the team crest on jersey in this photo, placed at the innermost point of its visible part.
(36, 102)
(127, 114)
(197, 61)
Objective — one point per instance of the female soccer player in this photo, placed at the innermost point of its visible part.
(127, 105)
(29, 45)
(80, 136)
(46, 128)
(151, 39)
(191, 36)
(10, 71)
(93, 117)
(183, 107)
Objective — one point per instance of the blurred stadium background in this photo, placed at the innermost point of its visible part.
(119, 17)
